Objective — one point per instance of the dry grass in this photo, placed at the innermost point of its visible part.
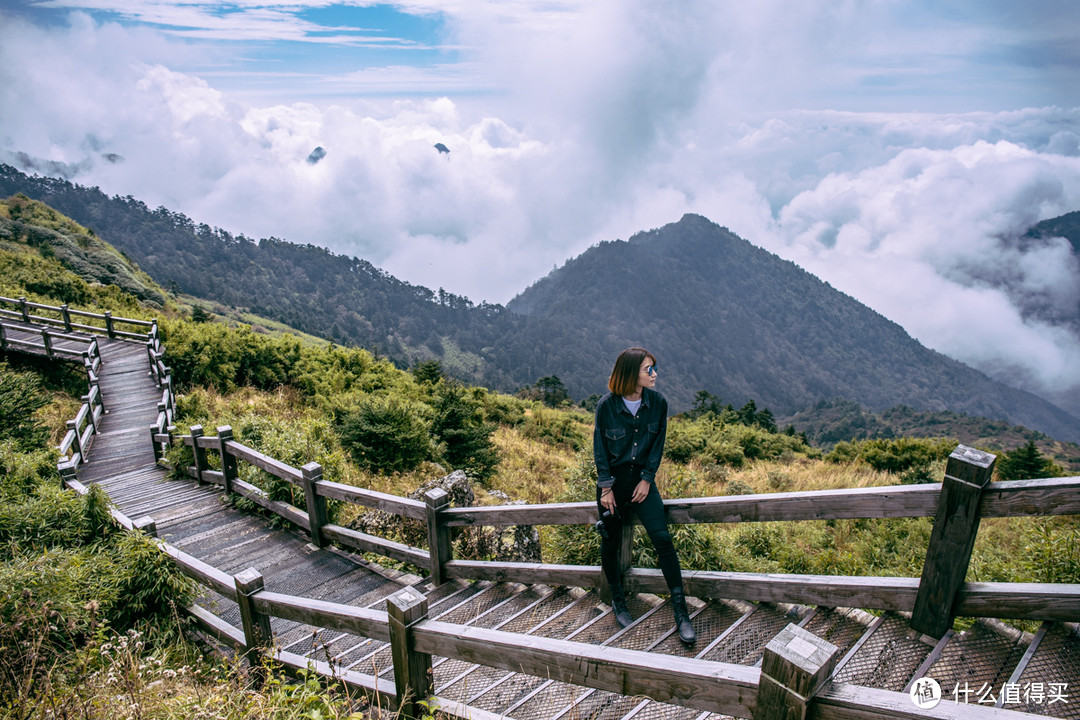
(530, 470)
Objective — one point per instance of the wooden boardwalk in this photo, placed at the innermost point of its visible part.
(194, 517)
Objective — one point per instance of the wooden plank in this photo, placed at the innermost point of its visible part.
(201, 572)
(581, 513)
(216, 627)
(702, 684)
(1027, 498)
(290, 513)
(265, 462)
(404, 507)
(320, 613)
(379, 691)
(841, 701)
(371, 543)
(1027, 601)
(529, 573)
(877, 502)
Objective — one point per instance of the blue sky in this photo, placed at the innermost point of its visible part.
(894, 148)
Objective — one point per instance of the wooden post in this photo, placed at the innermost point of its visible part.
(67, 472)
(228, 462)
(150, 359)
(47, 342)
(109, 324)
(412, 670)
(67, 317)
(154, 430)
(200, 453)
(437, 499)
(795, 665)
(955, 526)
(3, 338)
(77, 443)
(146, 524)
(257, 634)
(25, 310)
(172, 395)
(316, 504)
(90, 407)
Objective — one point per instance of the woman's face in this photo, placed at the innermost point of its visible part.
(647, 374)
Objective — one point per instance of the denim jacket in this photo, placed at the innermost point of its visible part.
(620, 438)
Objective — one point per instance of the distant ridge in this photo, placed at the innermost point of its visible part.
(728, 317)
(723, 315)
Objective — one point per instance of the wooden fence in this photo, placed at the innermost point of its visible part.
(709, 686)
(965, 496)
(61, 316)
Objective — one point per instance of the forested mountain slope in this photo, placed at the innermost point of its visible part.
(733, 319)
(723, 315)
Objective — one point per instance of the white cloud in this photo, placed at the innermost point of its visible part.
(597, 120)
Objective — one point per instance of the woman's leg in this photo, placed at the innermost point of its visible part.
(609, 551)
(651, 513)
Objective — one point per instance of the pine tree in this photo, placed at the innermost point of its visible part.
(1024, 463)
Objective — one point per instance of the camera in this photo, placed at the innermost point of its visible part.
(602, 524)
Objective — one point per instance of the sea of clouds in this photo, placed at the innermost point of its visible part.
(591, 126)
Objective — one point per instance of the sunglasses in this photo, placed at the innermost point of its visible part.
(650, 369)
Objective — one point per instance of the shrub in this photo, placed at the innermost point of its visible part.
(894, 455)
(463, 436)
(386, 434)
(20, 398)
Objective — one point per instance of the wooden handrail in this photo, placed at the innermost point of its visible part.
(1001, 499)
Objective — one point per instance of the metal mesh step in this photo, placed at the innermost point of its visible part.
(563, 619)
(1056, 661)
(840, 626)
(746, 644)
(516, 687)
(979, 659)
(888, 658)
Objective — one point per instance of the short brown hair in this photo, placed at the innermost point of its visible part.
(624, 377)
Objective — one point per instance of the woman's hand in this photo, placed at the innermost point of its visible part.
(641, 491)
(607, 499)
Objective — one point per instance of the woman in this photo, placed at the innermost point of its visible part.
(628, 443)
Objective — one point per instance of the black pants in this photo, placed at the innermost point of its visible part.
(650, 512)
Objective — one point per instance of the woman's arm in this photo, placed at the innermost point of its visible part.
(656, 452)
(600, 456)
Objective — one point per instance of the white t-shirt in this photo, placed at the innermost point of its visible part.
(632, 405)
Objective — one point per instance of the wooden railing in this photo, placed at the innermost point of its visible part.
(708, 686)
(61, 316)
(28, 320)
(957, 504)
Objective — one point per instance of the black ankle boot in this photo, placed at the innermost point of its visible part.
(682, 617)
(621, 612)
